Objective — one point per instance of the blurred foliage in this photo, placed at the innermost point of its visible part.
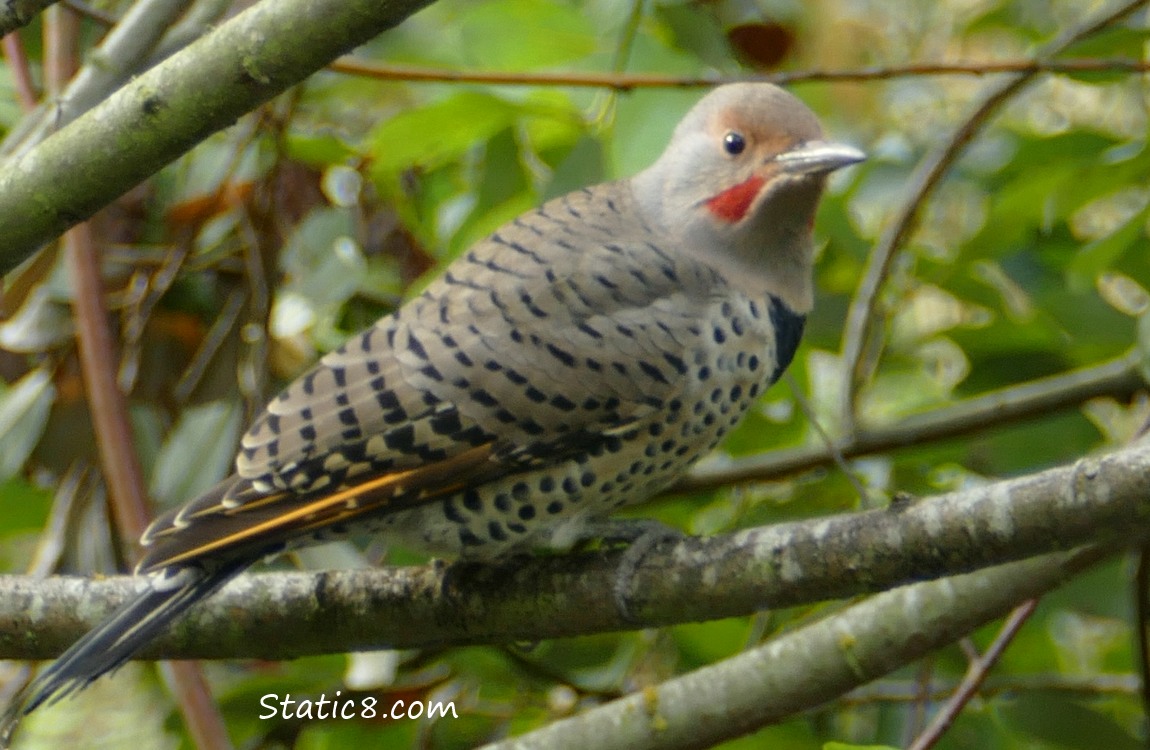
(234, 268)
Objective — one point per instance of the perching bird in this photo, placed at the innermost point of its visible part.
(578, 359)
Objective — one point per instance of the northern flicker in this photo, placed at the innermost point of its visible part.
(577, 360)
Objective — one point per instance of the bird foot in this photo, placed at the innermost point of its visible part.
(641, 536)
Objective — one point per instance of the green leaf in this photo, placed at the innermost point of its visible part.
(431, 136)
(1066, 724)
(24, 408)
(525, 34)
(198, 451)
(1102, 254)
(1116, 41)
(583, 166)
(23, 506)
(317, 149)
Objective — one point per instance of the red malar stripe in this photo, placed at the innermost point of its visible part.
(732, 204)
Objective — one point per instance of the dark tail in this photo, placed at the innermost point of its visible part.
(169, 593)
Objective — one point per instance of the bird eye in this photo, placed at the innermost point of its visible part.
(734, 143)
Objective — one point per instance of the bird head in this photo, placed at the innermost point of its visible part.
(739, 184)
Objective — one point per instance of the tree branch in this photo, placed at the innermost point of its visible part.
(1118, 378)
(119, 55)
(621, 81)
(808, 666)
(282, 615)
(862, 312)
(167, 110)
(16, 14)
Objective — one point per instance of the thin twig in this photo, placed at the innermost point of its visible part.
(975, 674)
(117, 452)
(17, 59)
(923, 683)
(1117, 378)
(205, 725)
(863, 310)
(827, 441)
(120, 55)
(209, 346)
(87, 10)
(629, 81)
(910, 691)
(105, 400)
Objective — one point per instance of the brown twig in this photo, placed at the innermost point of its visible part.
(17, 59)
(205, 725)
(974, 677)
(107, 20)
(922, 184)
(630, 81)
(106, 402)
(118, 457)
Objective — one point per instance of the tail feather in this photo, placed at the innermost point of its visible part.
(170, 592)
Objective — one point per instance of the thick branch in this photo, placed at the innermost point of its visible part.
(16, 14)
(167, 110)
(806, 667)
(280, 616)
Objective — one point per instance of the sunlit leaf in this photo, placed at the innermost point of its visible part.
(24, 408)
(197, 453)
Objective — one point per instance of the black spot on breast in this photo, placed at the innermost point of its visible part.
(563, 356)
(652, 372)
(562, 403)
(676, 362)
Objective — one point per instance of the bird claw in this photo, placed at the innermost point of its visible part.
(640, 536)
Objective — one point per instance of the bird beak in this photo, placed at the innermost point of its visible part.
(818, 158)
